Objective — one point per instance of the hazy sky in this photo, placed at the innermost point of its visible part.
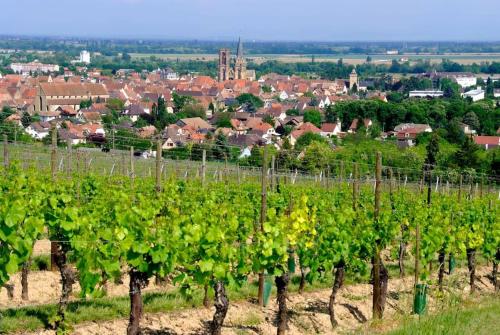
(328, 20)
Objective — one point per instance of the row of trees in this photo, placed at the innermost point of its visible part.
(442, 114)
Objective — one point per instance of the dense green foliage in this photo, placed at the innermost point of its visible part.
(202, 235)
(439, 113)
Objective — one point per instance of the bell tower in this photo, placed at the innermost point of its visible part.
(240, 65)
(224, 64)
(353, 79)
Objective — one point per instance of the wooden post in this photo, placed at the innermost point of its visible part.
(481, 188)
(263, 213)
(417, 252)
(238, 173)
(77, 161)
(399, 180)
(460, 188)
(273, 181)
(5, 151)
(203, 167)
(341, 172)
(391, 186)
(355, 187)
(158, 165)
(429, 186)
(68, 145)
(53, 245)
(132, 165)
(113, 137)
(53, 153)
(226, 177)
(327, 176)
(377, 293)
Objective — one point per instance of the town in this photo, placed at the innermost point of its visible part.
(236, 109)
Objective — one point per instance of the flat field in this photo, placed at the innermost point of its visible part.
(462, 58)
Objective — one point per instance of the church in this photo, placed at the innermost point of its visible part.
(238, 70)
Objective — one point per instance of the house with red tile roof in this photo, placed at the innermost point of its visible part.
(306, 127)
(331, 129)
(487, 142)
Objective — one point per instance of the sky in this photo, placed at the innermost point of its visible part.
(289, 20)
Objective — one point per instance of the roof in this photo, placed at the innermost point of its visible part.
(413, 126)
(239, 52)
(305, 128)
(91, 116)
(196, 123)
(487, 140)
(40, 126)
(244, 140)
(71, 89)
(328, 127)
(474, 92)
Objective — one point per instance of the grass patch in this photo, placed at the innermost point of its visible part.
(481, 318)
(249, 320)
(40, 263)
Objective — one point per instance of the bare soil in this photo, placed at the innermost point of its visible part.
(308, 313)
(44, 287)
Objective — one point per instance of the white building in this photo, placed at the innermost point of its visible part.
(85, 57)
(33, 67)
(496, 92)
(169, 74)
(466, 80)
(475, 95)
(426, 94)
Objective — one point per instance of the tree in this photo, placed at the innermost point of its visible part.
(126, 57)
(220, 150)
(330, 115)
(455, 133)
(250, 100)
(86, 104)
(292, 112)
(6, 112)
(141, 122)
(26, 119)
(224, 121)
(450, 89)
(472, 120)
(432, 150)
(306, 139)
(211, 107)
(266, 89)
(313, 116)
(181, 100)
(375, 130)
(194, 111)
(268, 119)
(354, 88)
(115, 105)
(468, 155)
(368, 59)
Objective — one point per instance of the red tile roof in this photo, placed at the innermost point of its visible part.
(487, 140)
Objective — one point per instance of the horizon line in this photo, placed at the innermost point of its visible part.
(246, 40)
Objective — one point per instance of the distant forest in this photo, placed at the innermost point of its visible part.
(113, 47)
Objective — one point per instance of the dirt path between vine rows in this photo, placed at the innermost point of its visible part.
(308, 312)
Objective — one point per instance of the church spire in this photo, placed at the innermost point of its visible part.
(239, 53)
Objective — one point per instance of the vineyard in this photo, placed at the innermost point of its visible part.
(198, 233)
